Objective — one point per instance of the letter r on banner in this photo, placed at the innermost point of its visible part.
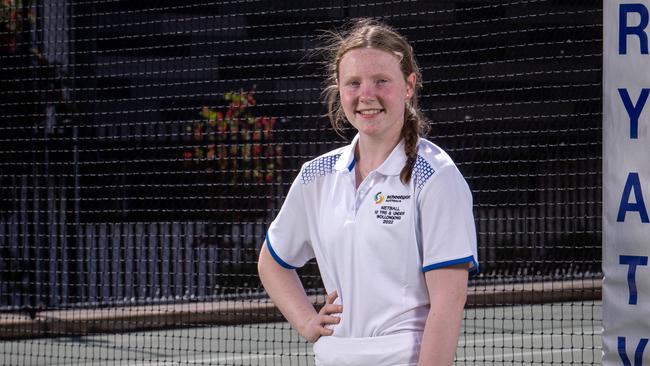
(638, 30)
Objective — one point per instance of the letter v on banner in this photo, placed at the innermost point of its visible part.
(638, 353)
(626, 182)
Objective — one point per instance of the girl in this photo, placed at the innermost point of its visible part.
(388, 219)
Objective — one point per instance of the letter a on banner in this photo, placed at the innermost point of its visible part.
(626, 182)
(632, 185)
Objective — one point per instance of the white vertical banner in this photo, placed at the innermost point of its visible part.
(626, 182)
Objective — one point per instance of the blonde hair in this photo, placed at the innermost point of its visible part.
(368, 33)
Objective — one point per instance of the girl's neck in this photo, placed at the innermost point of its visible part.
(371, 153)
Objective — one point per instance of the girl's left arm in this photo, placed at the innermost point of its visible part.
(447, 293)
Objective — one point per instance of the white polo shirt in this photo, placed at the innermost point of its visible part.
(373, 244)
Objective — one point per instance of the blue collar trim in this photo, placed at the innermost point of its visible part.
(352, 164)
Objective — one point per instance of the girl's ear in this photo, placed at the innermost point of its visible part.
(411, 81)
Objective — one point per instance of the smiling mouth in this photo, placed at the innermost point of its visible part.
(369, 112)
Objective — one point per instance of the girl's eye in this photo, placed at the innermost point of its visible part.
(353, 83)
(382, 81)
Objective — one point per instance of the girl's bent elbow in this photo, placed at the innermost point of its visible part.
(262, 261)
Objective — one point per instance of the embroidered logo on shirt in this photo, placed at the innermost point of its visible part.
(379, 198)
(392, 211)
(397, 198)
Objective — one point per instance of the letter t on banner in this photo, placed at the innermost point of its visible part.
(632, 261)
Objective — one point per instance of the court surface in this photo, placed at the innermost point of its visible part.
(557, 333)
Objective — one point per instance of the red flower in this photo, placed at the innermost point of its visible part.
(237, 128)
(257, 150)
(198, 131)
(257, 136)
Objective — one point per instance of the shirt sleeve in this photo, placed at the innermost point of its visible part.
(288, 238)
(447, 228)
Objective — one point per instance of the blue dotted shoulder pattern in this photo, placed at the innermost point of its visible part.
(422, 171)
(319, 167)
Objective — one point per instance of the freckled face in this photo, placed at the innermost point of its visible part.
(373, 92)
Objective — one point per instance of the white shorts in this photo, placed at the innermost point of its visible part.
(400, 349)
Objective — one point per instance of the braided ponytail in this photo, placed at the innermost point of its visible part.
(414, 127)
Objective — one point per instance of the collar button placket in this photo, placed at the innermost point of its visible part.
(363, 190)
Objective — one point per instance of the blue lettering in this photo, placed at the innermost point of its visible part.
(632, 261)
(634, 110)
(632, 183)
(638, 30)
(638, 354)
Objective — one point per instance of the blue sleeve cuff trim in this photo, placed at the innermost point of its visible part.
(275, 255)
(473, 270)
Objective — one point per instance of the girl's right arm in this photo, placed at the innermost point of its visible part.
(288, 294)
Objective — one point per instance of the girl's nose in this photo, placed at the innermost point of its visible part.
(367, 92)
